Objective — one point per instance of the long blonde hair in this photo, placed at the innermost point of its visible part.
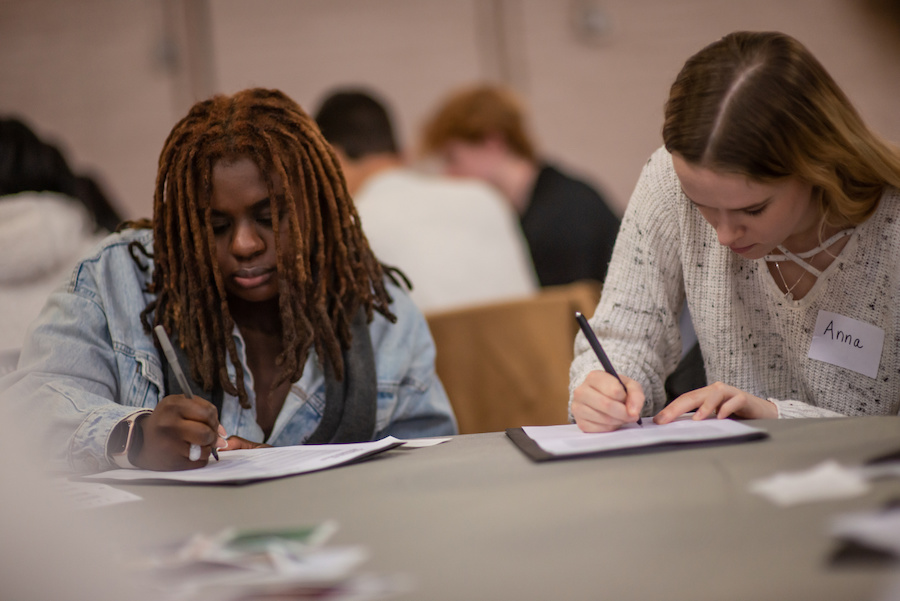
(761, 105)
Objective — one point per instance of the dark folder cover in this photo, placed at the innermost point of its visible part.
(534, 451)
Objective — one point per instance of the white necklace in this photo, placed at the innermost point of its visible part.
(801, 260)
(788, 290)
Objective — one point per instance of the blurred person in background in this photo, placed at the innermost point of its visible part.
(49, 218)
(457, 241)
(481, 132)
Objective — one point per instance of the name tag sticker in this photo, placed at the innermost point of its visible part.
(847, 342)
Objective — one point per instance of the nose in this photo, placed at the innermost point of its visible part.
(728, 231)
(246, 241)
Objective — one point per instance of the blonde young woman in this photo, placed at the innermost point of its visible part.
(773, 211)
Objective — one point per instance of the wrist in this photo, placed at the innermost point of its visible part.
(126, 439)
(137, 439)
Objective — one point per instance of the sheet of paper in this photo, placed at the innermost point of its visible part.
(827, 480)
(570, 440)
(418, 443)
(260, 464)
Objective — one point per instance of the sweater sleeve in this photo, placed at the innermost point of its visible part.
(791, 409)
(637, 317)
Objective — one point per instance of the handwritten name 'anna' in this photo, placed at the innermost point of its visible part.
(841, 336)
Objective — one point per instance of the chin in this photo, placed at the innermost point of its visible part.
(261, 294)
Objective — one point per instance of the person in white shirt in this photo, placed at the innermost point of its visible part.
(457, 241)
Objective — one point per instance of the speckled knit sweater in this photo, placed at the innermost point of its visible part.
(751, 336)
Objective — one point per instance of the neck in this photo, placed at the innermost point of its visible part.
(810, 237)
(260, 317)
(515, 180)
(357, 172)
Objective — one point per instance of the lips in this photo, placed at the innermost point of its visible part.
(741, 250)
(251, 277)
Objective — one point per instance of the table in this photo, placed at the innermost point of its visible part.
(473, 518)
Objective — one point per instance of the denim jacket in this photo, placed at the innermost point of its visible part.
(87, 364)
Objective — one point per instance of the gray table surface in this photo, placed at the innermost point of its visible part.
(474, 518)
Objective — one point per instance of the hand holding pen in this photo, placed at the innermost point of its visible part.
(181, 426)
(601, 403)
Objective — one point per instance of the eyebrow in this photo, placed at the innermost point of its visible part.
(260, 204)
(753, 207)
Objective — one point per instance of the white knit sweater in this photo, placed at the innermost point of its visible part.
(751, 336)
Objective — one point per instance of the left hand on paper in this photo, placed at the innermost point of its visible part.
(718, 400)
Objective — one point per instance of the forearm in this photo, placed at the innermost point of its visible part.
(421, 411)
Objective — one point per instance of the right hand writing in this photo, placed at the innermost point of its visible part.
(600, 404)
(176, 424)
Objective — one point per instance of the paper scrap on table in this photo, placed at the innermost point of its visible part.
(875, 529)
(280, 563)
(828, 480)
(84, 495)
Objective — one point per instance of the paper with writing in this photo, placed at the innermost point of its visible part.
(570, 440)
(847, 342)
(260, 464)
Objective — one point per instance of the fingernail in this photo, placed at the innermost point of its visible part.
(221, 443)
(222, 432)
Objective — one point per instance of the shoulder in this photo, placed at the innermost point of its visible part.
(881, 230)
(658, 188)
(558, 190)
(120, 264)
(552, 179)
(453, 188)
(660, 172)
(406, 194)
(407, 333)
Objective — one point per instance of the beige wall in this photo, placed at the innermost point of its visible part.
(110, 78)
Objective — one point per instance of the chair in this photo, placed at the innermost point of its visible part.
(506, 364)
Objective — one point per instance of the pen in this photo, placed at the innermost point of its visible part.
(169, 351)
(598, 350)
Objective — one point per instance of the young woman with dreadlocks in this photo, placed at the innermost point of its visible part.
(256, 266)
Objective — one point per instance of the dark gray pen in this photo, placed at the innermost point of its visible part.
(598, 350)
(172, 358)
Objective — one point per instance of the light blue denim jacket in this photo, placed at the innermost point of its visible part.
(87, 364)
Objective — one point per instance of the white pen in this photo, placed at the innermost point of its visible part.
(172, 358)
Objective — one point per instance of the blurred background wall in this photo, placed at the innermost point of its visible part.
(107, 79)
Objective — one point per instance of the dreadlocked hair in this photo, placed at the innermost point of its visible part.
(326, 271)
